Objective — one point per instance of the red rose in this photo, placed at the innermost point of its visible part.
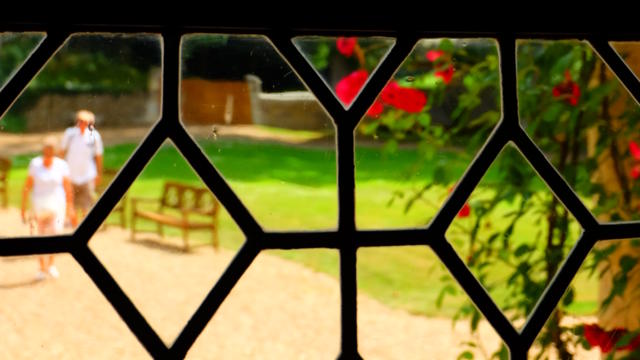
(349, 86)
(634, 149)
(407, 99)
(466, 209)
(567, 90)
(389, 93)
(596, 337)
(346, 45)
(433, 55)
(446, 75)
(376, 109)
(607, 340)
(410, 100)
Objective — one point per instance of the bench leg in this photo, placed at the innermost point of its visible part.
(160, 230)
(185, 238)
(133, 226)
(214, 237)
(214, 232)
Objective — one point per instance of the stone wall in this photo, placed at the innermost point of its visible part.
(202, 102)
(297, 110)
(292, 110)
(56, 111)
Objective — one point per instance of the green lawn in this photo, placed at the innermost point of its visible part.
(290, 187)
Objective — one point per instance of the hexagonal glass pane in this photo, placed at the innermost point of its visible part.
(599, 314)
(15, 49)
(344, 63)
(90, 106)
(167, 242)
(64, 317)
(513, 234)
(409, 307)
(424, 129)
(261, 128)
(585, 121)
(285, 306)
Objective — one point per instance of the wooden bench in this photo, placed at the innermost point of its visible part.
(183, 206)
(5, 165)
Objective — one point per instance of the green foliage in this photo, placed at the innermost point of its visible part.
(564, 92)
(13, 123)
(85, 71)
(86, 64)
(620, 279)
(14, 50)
(320, 57)
(192, 43)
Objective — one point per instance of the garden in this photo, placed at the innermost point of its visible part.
(412, 147)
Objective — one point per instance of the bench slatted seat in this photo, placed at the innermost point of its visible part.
(182, 206)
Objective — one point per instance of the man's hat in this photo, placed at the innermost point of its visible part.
(86, 116)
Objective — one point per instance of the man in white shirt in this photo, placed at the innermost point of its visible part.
(83, 150)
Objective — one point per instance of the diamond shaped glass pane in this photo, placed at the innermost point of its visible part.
(513, 234)
(584, 120)
(167, 242)
(284, 307)
(423, 130)
(261, 128)
(344, 63)
(89, 106)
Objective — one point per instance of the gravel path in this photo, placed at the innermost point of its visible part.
(278, 310)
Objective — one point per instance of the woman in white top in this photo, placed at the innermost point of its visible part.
(51, 198)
